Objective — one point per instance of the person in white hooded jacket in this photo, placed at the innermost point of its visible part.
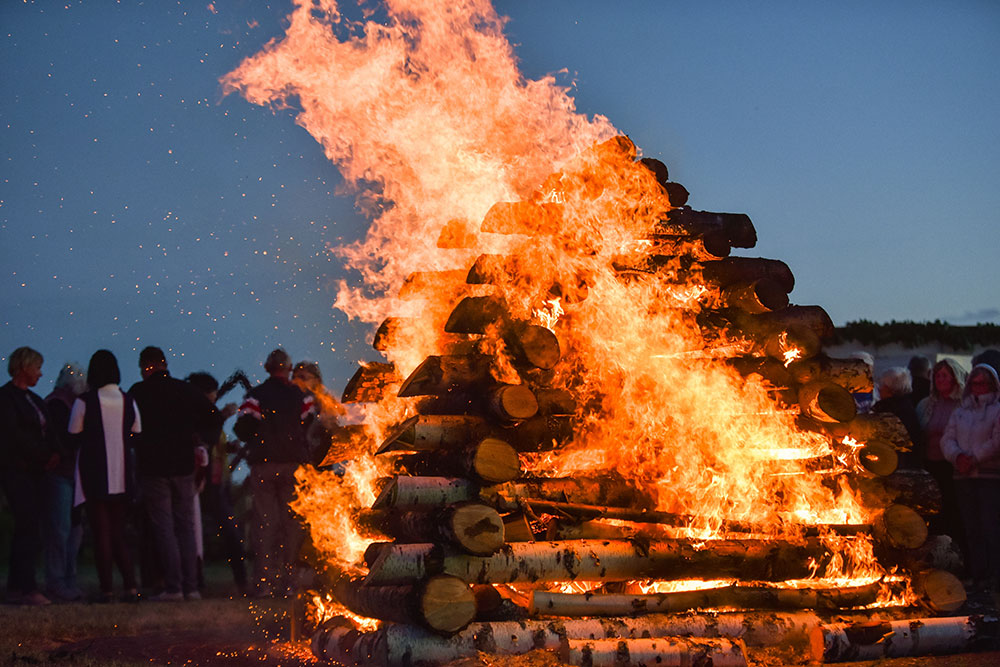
(971, 442)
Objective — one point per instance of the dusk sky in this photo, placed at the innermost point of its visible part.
(140, 206)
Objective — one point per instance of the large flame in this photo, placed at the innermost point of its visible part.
(424, 111)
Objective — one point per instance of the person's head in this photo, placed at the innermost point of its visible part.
(72, 378)
(982, 380)
(948, 379)
(919, 367)
(894, 381)
(151, 360)
(103, 369)
(990, 357)
(25, 367)
(307, 376)
(205, 383)
(278, 363)
(864, 356)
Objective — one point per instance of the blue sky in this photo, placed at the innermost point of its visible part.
(140, 207)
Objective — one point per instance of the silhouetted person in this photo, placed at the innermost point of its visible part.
(920, 376)
(894, 391)
(273, 421)
(27, 450)
(105, 420)
(176, 417)
(216, 500)
(63, 531)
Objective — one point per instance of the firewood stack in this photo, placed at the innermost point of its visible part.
(485, 552)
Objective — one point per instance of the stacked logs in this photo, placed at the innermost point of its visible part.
(473, 546)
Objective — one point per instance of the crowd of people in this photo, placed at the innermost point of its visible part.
(953, 419)
(147, 468)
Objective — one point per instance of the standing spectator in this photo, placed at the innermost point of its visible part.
(920, 373)
(307, 377)
(894, 389)
(62, 542)
(933, 413)
(864, 400)
(27, 450)
(217, 502)
(273, 422)
(174, 415)
(971, 442)
(106, 419)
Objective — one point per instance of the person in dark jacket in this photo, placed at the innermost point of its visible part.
(106, 419)
(895, 387)
(273, 422)
(176, 417)
(63, 522)
(28, 449)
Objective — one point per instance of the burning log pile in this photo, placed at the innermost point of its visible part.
(512, 520)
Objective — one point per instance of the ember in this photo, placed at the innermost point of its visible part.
(587, 407)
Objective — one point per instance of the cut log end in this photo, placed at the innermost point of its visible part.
(447, 604)
(478, 528)
(496, 461)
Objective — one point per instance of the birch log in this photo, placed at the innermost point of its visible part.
(544, 603)
(610, 560)
(442, 603)
(661, 651)
(842, 642)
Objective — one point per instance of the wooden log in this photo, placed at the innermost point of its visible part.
(457, 234)
(737, 227)
(607, 489)
(733, 270)
(914, 488)
(882, 426)
(533, 345)
(440, 374)
(789, 344)
(759, 296)
(421, 284)
(875, 459)
(940, 591)
(523, 217)
(545, 603)
(939, 552)
(771, 370)
(541, 433)
(423, 433)
(395, 645)
(900, 527)
(488, 461)
(443, 603)
(589, 560)
(476, 314)
(827, 402)
(813, 318)
(517, 528)
(677, 194)
(472, 527)
(854, 375)
(662, 651)
(407, 491)
(555, 401)
(371, 382)
(512, 403)
(842, 642)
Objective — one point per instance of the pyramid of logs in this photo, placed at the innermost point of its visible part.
(473, 547)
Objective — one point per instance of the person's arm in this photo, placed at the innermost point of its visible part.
(949, 441)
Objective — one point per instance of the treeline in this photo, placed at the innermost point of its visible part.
(917, 334)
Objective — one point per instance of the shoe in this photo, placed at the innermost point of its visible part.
(34, 599)
(193, 595)
(167, 597)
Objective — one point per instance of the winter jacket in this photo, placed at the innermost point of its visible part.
(974, 430)
(273, 421)
(26, 438)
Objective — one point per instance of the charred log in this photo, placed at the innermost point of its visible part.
(760, 296)
(827, 402)
(854, 375)
(371, 382)
(737, 227)
(443, 603)
(439, 375)
(734, 270)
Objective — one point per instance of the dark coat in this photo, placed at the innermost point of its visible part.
(273, 421)
(176, 418)
(27, 441)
